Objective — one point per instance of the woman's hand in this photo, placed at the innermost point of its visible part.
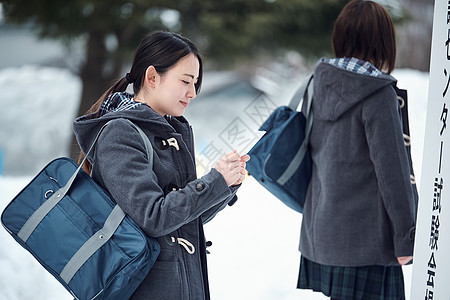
(403, 260)
(232, 167)
(244, 159)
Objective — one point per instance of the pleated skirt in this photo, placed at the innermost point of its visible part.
(352, 283)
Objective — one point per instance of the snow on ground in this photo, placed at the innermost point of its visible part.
(254, 253)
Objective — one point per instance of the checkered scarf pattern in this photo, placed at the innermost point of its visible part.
(355, 65)
(118, 101)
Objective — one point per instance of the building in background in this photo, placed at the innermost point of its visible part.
(414, 36)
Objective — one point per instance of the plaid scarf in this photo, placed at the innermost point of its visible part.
(117, 102)
(355, 65)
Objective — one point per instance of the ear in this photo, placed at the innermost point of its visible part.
(151, 76)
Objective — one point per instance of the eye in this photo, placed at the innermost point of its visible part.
(185, 82)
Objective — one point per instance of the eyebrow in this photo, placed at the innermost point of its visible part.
(189, 75)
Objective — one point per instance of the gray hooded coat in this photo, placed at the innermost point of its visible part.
(167, 200)
(360, 209)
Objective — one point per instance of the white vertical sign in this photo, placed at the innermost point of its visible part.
(431, 269)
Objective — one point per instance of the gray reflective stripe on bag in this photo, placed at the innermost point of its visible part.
(94, 243)
(97, 240)
(308, 86)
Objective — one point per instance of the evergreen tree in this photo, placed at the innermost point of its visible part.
(227, 31)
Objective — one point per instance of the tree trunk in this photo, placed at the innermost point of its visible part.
(92, 78)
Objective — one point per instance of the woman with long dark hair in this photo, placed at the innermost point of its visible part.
(166, 199)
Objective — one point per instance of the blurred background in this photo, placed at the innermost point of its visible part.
(58, 57)
(253, 49)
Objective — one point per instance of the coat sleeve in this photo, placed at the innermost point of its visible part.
(388, 153)
(212, 212)
(121, 166)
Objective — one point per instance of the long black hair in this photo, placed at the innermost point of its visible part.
(159, 49)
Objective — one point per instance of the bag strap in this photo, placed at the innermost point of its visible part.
(147, 144)
(98, 239)
(35, 219)
(306, 88)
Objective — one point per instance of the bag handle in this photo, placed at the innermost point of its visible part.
(148, 145)
(306, 88)
(39, 214)
(95, 242)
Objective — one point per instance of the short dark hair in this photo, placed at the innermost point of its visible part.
(365, 30)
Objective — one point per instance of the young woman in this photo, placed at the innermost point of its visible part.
(167, 199)
(358, 222)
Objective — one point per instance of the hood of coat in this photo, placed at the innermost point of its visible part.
(336, 90)
(122, 105)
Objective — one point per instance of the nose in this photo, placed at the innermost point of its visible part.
(191, 93)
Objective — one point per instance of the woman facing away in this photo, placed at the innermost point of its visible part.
(358, 222)
(167, 200)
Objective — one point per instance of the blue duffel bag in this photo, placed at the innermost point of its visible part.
(79, 234)
(281, 160)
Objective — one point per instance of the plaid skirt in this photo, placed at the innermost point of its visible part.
(352, 283)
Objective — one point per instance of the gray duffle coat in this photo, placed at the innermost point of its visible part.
(167, 199)
(360, 209)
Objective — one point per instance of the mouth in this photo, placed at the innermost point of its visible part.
(185, 104)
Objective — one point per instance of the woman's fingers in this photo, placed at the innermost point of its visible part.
(232, 167)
